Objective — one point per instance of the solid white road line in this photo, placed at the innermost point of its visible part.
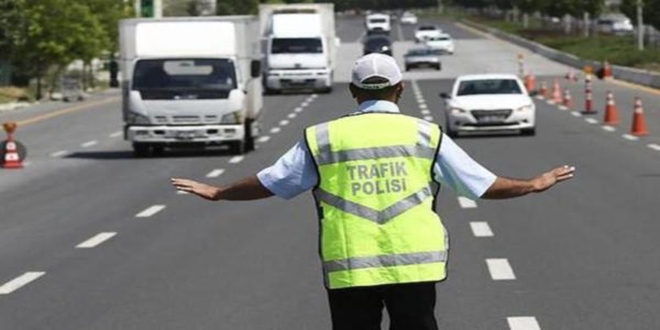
(629, 137)
(236, 159)
(654, 146)
(523, 323)
(609, 128)
(19, 282)
(215, 173)
(292, 115)
(481, 229)
(284, 122)
(116, 134)
(275, 130)
(466, 203)
(60, 153)
(263, 139)
(576, 114)
(500, 269)
(96, 240)
(428, 118)
(298, 110)
(150, 211)
(89, 144)
(591, 121)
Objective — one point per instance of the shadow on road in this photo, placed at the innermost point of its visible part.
(169, 153)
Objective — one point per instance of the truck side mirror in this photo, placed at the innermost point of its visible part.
(255, 68)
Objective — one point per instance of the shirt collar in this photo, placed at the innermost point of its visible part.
(377, 106)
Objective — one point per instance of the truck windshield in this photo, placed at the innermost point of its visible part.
(296, 46)
(490, 86)
(184, 78)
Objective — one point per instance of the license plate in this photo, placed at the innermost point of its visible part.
(491, 119)
(184, 135)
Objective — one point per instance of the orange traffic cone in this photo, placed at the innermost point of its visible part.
(568, 100)
(570, 75)
(556, 92)
(639, 122)
(530, 82)
(607, 70)
(544, 90)
(611, 114)
(11, 158)
(589, 97)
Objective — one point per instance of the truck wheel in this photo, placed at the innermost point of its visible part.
(158, 149)
(528, 131)
(327, 90)
(140, 149)
(438, 67)
(249, 139)
(237, 148)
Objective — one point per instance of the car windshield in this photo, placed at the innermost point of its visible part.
(377, 42)
(377, 20)
(489, 86)
(185, 74)
(296, 46)
(427, 28)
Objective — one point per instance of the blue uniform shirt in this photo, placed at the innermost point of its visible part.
(294, 172)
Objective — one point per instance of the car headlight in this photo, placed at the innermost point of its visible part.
(235, 117)
(137, 119)
(457, 110)
(528, 107)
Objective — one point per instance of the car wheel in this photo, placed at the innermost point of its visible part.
(450, 132)
(407, 68)
(528, 131)
(140, 149)
(158, 149)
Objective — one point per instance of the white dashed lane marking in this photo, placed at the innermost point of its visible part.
(523, 323)
(561, 107)
(263, 139)
(500, 269)
(298, 110)
(591, 121)
(291, 115)
(423, 106)
(304, 104)
(653, 146)
(215, 173)
(466, 203)
(89, 144)
(481, 229)
(150, 211)
(576, 114)
(19, 282)
(116, 134)
(96, 240)
(275, 130)
(609, 128)
(236, 159)
(60, 153)
(428, 118)
(284, 122)
(425, 112)
(629, 137)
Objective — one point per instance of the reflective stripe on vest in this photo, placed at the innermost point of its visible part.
(375, 201)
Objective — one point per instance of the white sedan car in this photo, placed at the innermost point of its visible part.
(408, 18)
(489, 102)
(443, 42)
(426, 31)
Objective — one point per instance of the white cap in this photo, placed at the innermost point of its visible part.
(375, 65)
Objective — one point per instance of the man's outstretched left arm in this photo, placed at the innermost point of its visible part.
(247, 189)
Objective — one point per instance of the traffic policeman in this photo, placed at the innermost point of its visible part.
(374, 175)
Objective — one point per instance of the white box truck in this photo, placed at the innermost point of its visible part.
(300, 45)
(190, 82)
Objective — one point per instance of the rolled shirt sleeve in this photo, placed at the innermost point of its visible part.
(292, 174)
(455, 168)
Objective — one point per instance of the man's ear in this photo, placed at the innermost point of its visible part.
(351, 88)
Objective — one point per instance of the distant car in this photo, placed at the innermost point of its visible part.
(378, 23)
(615, 24)
(442, 42)
(489, 102)
(378, 44)
(408, 18)
(426, 31)
(423, 57)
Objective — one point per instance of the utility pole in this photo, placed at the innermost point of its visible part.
(640, 25)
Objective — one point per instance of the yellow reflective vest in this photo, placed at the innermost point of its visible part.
(376, 201)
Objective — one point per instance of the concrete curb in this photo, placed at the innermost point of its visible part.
(637, 76)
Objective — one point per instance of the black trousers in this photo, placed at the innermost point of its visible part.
(410, 307)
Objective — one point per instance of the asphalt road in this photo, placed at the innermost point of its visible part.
(581, 256)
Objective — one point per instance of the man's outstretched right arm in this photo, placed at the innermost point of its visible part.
(504, 188)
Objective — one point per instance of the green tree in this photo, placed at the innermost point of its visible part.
(651, 11)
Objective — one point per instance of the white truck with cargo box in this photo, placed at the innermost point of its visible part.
(190, 82)
(300, 45)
